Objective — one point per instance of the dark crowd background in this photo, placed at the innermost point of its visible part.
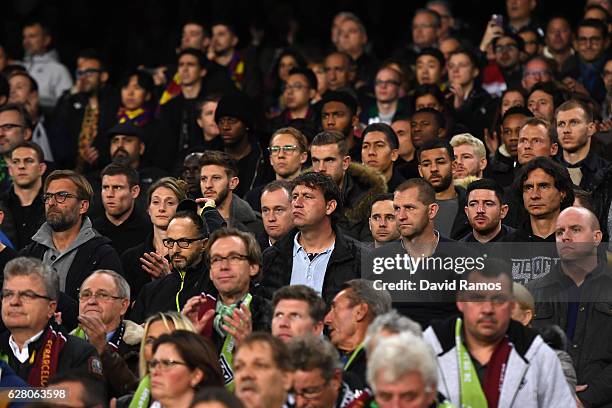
(146, 32)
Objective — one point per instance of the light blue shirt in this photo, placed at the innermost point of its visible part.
(307, 272)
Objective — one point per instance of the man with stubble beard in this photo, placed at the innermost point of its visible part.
(67, 241)
(218, 181)
(485, 210)
(186, 240)
(435, 165)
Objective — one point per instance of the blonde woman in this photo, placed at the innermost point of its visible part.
(155, 326)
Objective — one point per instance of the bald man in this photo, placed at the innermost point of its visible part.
(576, 295)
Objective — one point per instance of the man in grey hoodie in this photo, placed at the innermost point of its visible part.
(42, 63)
(67, 241)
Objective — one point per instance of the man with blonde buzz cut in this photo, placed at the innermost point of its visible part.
(470, 156)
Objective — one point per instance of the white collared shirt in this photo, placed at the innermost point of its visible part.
(309, 272)
(23, 354)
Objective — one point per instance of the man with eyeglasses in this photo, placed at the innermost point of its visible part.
(386, 104)
(537, 70)
(32, 346)
(484, 356)
(87, 111)
(24, 209)
(508, 50)
(318, 380)
(15, 128)
(235, 269)
(104, 298)
(236, 121)
(186, 239)
(299, 92)
(288, 151)
(591, 44)
(67, 241)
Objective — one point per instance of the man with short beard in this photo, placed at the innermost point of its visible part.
(575, 128)
(240, 65)
(582, 279)
(414, 202)
(218, 180)
(339, 113)
(67, 241)
(186, 239)
(123, 222)
(485, 211)
(127, 148)
(24, 209)
(435, 165)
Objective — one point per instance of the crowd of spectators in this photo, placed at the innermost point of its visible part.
(201, 234)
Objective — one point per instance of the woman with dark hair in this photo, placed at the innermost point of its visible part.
(137, 89)
(183, 362)
(278, 75)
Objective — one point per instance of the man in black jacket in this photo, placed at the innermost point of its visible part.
(485, 210)
(415, 211)
(67, 241)
(122, 221)
(358, 184)
(185, 239)
(543, 189)
(24, 209)
(576, 295)
(316, 254)
(29, 299)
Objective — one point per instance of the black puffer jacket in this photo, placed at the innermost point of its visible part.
(590, 347)
(162, 295)
(344, 264)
